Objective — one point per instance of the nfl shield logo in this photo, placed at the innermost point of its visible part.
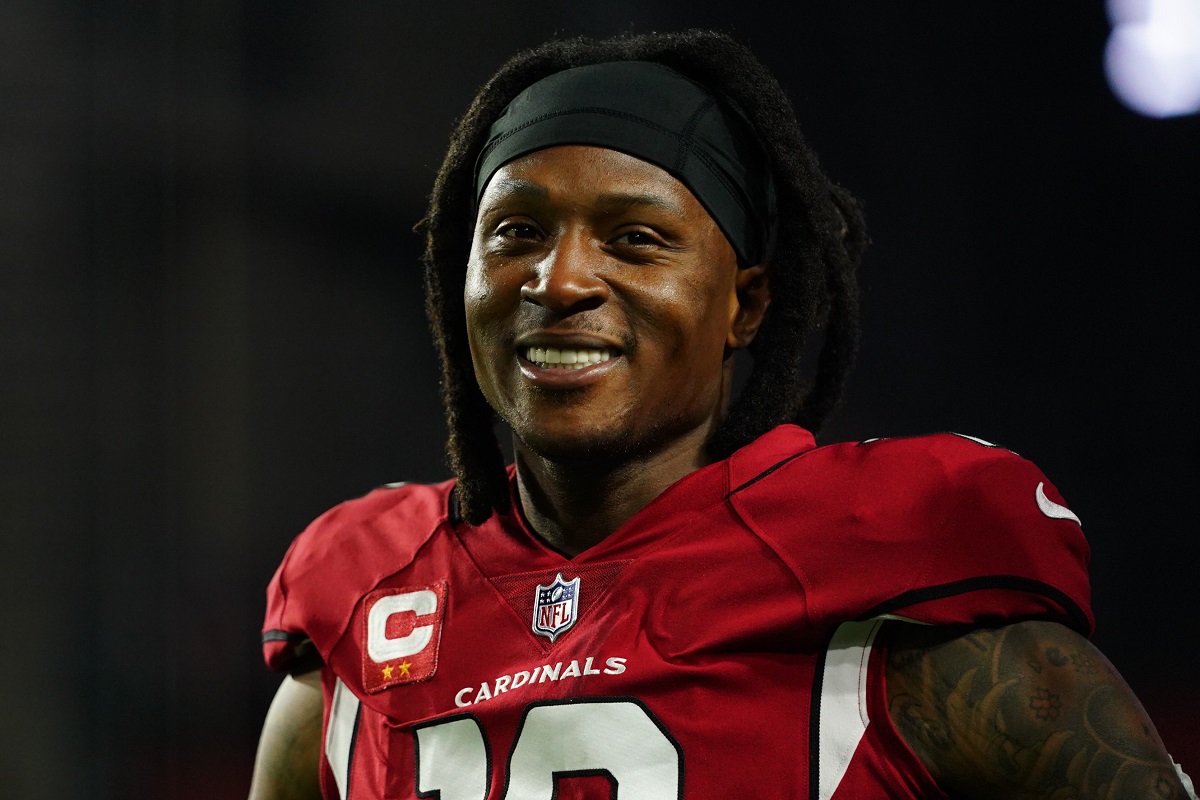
(556, 607)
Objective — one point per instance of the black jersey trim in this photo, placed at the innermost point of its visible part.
(304, 652)
(766, 472)
(1078, 617)
(613, 784)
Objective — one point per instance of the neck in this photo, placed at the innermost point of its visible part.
(574, 506)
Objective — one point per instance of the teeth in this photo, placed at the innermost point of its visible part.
(556, 358)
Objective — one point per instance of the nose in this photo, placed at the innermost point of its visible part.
(568, 279)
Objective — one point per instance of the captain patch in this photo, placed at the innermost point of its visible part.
(401, 632)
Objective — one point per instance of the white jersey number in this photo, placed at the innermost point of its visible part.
(617, 738)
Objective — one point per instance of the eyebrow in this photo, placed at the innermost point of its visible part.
(506, 187)
(622, 200)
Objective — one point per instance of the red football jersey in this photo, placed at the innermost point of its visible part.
(719, 644)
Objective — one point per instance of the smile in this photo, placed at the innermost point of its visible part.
(556, 358)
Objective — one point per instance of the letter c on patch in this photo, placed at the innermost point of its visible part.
(379, 647)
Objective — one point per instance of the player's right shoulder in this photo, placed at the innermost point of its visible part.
(339, 558)
(367, 537)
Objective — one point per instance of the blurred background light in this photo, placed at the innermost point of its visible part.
(1152, 59)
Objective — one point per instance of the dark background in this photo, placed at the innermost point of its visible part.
(211, 325)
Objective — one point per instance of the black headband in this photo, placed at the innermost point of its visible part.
(649, 111)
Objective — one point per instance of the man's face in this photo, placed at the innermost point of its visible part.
(595, 258)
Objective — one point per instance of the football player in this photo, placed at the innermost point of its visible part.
(672, 592)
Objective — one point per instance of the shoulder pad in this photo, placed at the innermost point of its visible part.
(340, 557)
(942, 528)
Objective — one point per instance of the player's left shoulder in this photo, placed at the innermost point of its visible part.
(949, 452)
(924, 517)
(950, 464)
(904, 488)
(904, 469)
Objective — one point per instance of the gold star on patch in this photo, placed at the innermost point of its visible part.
(404, 665)
(387, 673)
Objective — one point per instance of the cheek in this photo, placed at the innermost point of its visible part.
(491, 288)
(694, 317)
(478, 308)
(484, 292)
(475, 288)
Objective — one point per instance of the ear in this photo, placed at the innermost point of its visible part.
(748, 305)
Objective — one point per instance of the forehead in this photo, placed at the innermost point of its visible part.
(590, 175)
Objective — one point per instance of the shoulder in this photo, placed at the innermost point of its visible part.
(342, 556)
(912, 475)
(886, 525)
(930, 462)
(385, 526)
(944, 463)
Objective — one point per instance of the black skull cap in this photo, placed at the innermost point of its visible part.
(649, 111)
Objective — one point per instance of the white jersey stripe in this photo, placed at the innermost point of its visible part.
(843, 710)
(339, 738)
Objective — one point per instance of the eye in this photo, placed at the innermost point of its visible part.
(518, 230)
(639, 237)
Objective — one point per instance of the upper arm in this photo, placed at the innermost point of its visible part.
(289, 751)
(1028, 710)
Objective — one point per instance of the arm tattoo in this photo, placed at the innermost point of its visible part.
(1031, 710)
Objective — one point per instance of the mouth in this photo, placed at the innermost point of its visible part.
(565, 358)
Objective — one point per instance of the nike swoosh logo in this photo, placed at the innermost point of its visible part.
(1052, 509)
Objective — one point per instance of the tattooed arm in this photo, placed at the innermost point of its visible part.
(1031, 710)
(289, 750)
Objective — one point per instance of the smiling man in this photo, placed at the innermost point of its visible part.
(602, 302)
(672, 592)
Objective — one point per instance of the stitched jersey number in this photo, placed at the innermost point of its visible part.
(618, 738)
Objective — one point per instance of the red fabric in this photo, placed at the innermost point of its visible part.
(862, 525)
(703, 621)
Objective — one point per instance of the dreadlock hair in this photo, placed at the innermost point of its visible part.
(820, 239)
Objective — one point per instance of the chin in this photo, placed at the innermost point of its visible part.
(576, 447)
(603, 446)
